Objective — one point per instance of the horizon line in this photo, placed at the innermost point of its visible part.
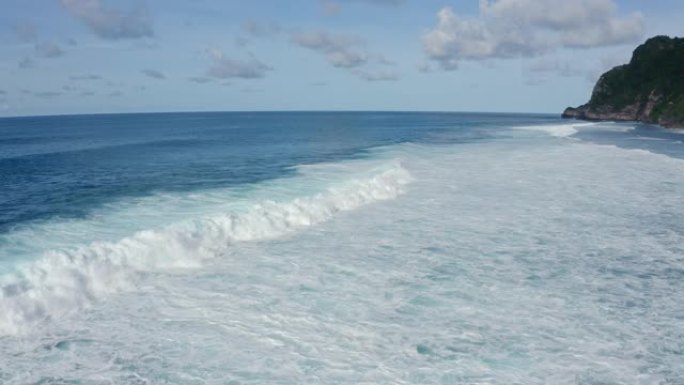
(77, 114)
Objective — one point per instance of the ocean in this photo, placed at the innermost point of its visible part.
(340, 248)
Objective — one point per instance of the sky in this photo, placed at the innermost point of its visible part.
(111, 56)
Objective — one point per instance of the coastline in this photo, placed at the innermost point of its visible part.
(571, 116)
(585, 114)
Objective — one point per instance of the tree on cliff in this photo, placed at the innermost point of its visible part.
(649, 89)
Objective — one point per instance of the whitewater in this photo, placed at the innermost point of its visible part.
(518, 252)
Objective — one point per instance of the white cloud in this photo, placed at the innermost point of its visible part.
(340, 50)
(347, 59)
(524, 28)
(225, 67)
(110, 23)
(347, 52)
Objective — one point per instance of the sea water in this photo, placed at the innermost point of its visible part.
(340, 248)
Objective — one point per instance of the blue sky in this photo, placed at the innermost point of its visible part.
(92, 56)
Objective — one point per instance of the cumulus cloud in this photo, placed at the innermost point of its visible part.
(109, 23)
(154, 74)
(225, 67)
(49, 50)
(340, 51)
(525, 28)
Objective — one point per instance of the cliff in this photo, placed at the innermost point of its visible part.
(649, 89)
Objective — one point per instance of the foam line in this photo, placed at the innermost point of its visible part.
(557, 130)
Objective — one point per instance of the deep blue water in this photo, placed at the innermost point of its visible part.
(64, 166)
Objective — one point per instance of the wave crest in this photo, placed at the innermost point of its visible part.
(65, 280)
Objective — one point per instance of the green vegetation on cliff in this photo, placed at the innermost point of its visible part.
(650, 88)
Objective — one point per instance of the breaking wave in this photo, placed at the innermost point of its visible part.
(65, 280)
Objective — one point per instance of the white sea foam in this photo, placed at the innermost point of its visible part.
(67, 279)
(557, 130)
(506, 262)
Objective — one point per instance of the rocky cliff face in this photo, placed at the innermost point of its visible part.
(649, 89)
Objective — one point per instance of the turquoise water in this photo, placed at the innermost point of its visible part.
(416, 248)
